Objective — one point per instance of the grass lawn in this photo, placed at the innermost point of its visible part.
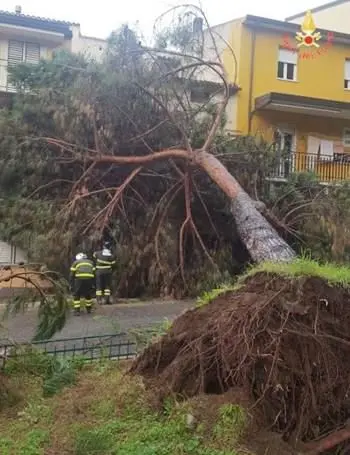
(97, 409)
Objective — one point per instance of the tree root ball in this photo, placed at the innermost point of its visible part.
(286, 341)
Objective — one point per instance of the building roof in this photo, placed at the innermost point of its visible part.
(40, 23)
(264, 23)
(317, 9)
(298, 100)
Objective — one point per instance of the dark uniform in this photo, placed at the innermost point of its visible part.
(104, 263)
(83, 281)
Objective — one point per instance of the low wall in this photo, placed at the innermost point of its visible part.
(16, 285)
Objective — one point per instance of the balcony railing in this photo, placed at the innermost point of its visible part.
(327, 168)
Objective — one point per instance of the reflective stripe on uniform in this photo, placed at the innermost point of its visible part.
(82, 264)
(88, 303)
(84, 275)
(99, 293)
(107, 292)
(76, 303)
(101, 267)
(100, 261)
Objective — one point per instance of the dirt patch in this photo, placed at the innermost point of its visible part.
(284, 341)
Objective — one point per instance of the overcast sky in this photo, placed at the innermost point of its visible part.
(103, 16)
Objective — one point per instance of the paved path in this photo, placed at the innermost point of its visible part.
(106, 319)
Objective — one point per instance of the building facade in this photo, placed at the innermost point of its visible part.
(297, 97)
(28, 39)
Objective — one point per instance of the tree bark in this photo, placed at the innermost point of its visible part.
(327, 443)
(260, 238)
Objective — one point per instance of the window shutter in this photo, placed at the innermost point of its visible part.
(15, 56)
(15, 52)
(347, 70)
(287, 56)
(32, 53)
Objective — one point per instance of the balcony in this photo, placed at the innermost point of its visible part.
(328, 169)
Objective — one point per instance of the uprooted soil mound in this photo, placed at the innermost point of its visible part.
(284, 341)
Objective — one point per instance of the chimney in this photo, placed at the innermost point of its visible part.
(197, 26)
(18, 9)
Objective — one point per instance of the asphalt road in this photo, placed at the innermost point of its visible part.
(120, 317)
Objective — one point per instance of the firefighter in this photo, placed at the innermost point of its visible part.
(82, 279)
(104, 263)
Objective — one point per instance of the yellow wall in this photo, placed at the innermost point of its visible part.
(322, 77)
(244, 79)
(18, 282)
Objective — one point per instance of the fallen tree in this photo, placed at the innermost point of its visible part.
(93, 137)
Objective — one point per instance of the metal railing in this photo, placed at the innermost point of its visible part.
(115, 347)
(327, 168)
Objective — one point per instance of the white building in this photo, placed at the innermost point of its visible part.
(333, 16)
(26, 38)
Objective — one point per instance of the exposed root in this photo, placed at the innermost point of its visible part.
(286, 341)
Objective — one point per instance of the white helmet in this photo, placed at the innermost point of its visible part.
(106, 252)
(80, 256)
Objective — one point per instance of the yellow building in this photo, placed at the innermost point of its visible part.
(292, 93)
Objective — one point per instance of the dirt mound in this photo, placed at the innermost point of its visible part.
(284, 341)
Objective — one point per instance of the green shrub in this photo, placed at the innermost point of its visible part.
(55, 372)
(30, 361)
(63, 375)
(95, 441)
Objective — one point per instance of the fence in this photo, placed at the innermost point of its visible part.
(115, 346)
(327, 168)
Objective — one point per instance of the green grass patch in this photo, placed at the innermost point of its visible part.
(334, 274)
(209, 296)
(105, 412)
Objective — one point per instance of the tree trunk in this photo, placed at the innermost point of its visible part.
(260, 238)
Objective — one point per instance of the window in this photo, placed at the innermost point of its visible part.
(285, 141)
(287, 65)
(21, 52)
(285, 146)
(346, 137)
(347, 75)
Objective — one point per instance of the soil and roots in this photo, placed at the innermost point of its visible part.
(284, 341)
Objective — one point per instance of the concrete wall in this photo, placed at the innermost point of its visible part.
(45, 52)
(335, 18)
(92, 48)
(224, 50)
